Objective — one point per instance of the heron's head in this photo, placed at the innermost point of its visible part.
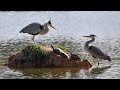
(90, 36)
(50, 24)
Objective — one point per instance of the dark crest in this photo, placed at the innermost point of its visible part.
(93, 35)
(49, 22)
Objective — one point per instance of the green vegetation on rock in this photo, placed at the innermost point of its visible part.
(36, 54)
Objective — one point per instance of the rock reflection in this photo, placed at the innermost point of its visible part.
(52, 73)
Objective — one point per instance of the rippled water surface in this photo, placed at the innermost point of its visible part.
(71, 26)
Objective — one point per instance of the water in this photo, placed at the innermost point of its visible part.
(71, 26)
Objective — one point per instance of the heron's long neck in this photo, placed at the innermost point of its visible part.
(88, 42)
(46, 26)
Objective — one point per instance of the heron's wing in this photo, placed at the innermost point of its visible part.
(96, 52)
(33, 28)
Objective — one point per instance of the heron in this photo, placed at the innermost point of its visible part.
(95, 52)
(36, 28)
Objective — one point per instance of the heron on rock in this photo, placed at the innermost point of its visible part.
(36, 28)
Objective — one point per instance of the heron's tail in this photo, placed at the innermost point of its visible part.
(108, 58)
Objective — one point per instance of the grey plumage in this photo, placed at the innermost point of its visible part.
(97, 53)
(36, 28)
(94, 51)
(33, 28)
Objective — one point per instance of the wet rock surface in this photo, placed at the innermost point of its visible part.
(52, 60)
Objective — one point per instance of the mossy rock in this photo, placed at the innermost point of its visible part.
(42, 56)
(37, 54)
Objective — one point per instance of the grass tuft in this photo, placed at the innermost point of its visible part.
(36, 54)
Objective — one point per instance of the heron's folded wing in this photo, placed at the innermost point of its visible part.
(96, 52)
(33, 28)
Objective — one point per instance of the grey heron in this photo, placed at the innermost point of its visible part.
(94, 51)
(36, 28)
(60, 52)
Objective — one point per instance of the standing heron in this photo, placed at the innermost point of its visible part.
(94, 51)
(36, 28)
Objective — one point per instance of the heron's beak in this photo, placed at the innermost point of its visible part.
(52, 27)
(86, 36)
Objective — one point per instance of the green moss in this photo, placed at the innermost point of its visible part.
(36, 54)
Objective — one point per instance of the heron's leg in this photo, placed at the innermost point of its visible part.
(33, 38)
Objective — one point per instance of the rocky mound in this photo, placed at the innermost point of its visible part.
(42, 56)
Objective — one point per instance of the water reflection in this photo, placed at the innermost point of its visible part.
(53, 73)
(99, 70)
(95, 71)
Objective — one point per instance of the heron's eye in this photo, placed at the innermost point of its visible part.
(49, 22)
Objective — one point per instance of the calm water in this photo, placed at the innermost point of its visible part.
(71, 26)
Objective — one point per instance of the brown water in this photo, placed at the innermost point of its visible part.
(71, 26)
